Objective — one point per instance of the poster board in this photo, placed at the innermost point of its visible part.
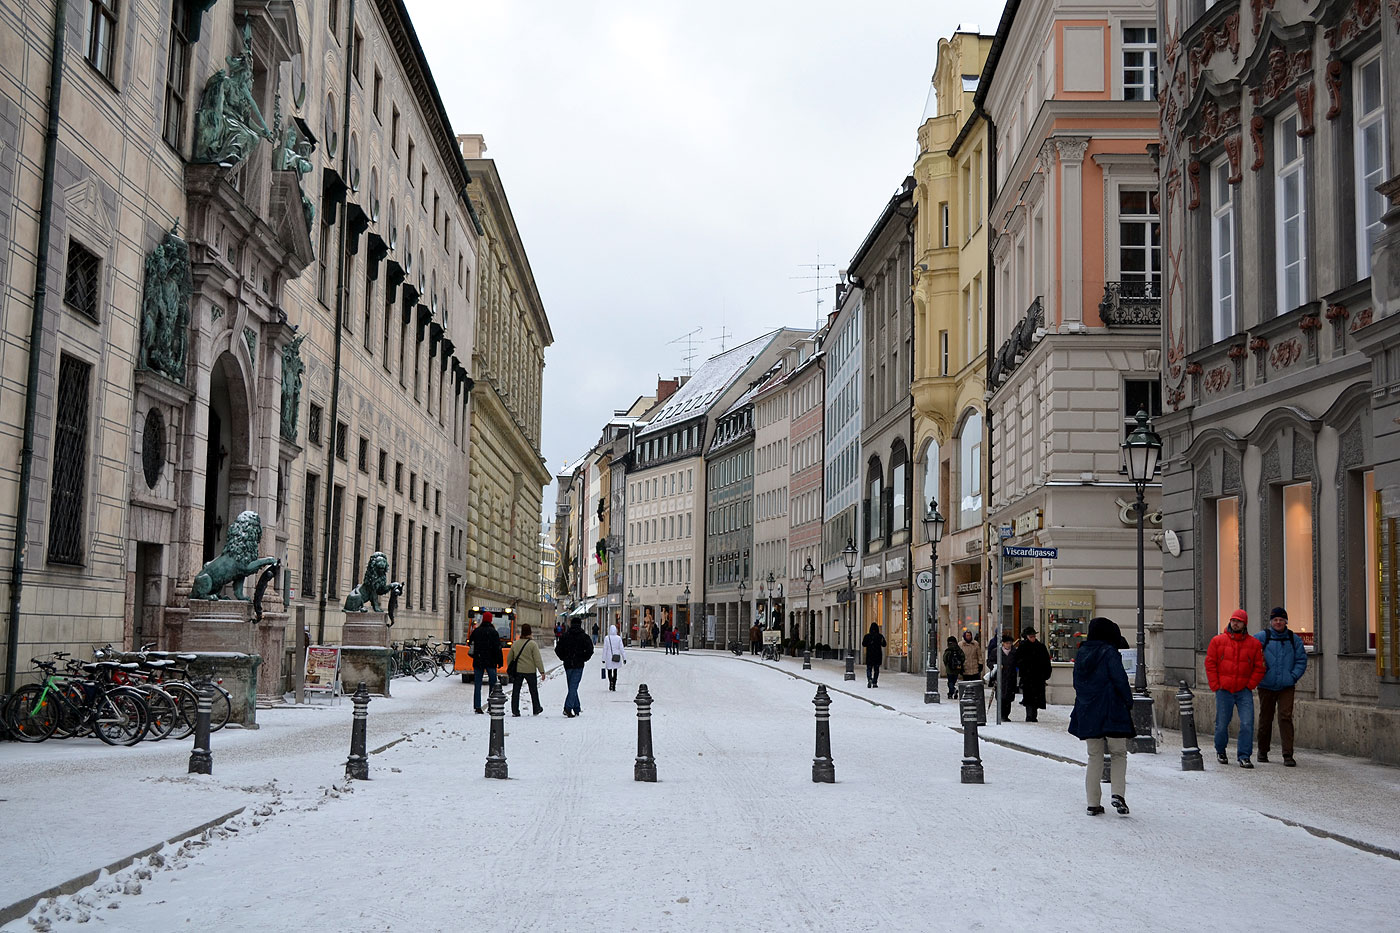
(323, 669)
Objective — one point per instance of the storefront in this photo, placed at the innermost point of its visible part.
(1066, 621)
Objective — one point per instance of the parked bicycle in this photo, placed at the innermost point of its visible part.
(65, 704)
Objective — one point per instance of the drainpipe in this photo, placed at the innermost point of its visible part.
(36, 333)
(342, 283)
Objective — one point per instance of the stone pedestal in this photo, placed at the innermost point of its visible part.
(365, 628)
(221, 632)
(365, 663)
(268, 637)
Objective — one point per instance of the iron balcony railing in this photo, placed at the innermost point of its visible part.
(1131, 304)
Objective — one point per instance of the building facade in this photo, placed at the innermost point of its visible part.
(843, 467)
(729, 526)
(806, 389)
(771, 443)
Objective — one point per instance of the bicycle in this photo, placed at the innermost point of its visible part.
(65, 704)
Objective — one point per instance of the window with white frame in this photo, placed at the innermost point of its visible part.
(943, 352)
(1290, 212)
(1370, 153)
(1140, 241)
(970, 472)
(1139, 63)
(1222, 252)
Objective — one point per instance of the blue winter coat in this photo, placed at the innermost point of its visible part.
(1285, 658)
(1103, 701)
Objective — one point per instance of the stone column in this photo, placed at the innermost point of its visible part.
(1071, 151)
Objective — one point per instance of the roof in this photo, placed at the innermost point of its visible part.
(709, 382)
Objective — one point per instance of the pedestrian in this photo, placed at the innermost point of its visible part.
(972, 657)
(574, 649)
(1234, 667)
(1001, 664)
(1033, 668)
(1285, 660)
(1103, 712)
(953, 659)
(485, 646)
(665, 637)
(614, 656)
(595, 633)
(755, 639)
(523, 664)
(874, 645)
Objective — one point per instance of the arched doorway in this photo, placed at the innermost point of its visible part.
(227, 471)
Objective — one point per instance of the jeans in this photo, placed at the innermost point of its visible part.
(872, 674)
(573, 676)
(1225, 705)
(476, 677)
(952, 679)
(1283, 699)
(1117, 750)
(534, 692)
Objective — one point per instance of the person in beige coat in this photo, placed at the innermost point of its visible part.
(524, 662)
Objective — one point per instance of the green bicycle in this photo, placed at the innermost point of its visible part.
(67, 705)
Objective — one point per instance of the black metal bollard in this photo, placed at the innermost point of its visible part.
(807, 659)
(823, 769)
(645, 768)
(850, 665)
(1190, 748)
(496, 756)
(201, 758)
(978, 691)
(357, 765)
(968, 708)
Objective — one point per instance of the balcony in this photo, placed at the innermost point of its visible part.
(1131, 304)
(1025, 335)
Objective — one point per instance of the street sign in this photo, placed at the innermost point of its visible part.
(1006, 531)
(1047, 553)
(924, 579)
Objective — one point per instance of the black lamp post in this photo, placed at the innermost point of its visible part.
(742, 614)
(849, 555)
(768, 602)
(808, 572)
(632, 598)
(1141, 450)
(685, 601)
(933, 528)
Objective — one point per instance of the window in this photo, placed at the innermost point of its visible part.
(408, 567)
(1141, 395)
(359, 541)
(899, 518)
(356, 47)
(411, 149)
(944, 224)
(970, 472)
(1222, 252)
(1140, 240)
(1227, 559)
(80, 280)
(101, 35)
(874, 507)
(437, 501)
(308, 537)
(1290, 213)
(943, 353)
(341, 430)
(412, 487)
(333, 16)
(313, 424)
(393, 138)
(68, 480)
(1139, 63)
(1298, 559)
(1370, 151)
(363, 458)
(177, 77)
(398, 477)
(394, 554)
(323, 269)
(423, 188)
(379, 528)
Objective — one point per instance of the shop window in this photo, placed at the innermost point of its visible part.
(1227, 559)
(1371, 505)
(1298, 559)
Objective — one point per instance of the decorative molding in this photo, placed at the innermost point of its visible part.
(1071, 148)
(1216, 122)
(1334, 89)
(1256, 133)
(1305, 95)
(1286, 352)
(1355, 18)
(1259, 8)
(1281, 69)
(1217, 380)
(1193, 175)
(1362, 320)
(1233, 144)
(1226, 35)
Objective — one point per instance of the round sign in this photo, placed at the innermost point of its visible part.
(924, 579)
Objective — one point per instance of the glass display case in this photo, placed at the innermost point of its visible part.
(1066, 621)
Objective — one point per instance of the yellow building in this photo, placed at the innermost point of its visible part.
(950, 276)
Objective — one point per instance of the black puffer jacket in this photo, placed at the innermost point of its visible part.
(575, 648)
(1103, 702)
(486, 647)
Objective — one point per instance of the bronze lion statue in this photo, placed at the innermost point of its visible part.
(365, 596)
(238, 560)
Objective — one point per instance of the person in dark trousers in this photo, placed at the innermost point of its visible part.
(874, 645)
(485, 644)
(1103, 712)
(614, 656)
(523, 664)
(665, 637)
(755, 639)
(574, 649)
(1285, 660)
(953, 660)
(596, 639)
(1003, 661)
(1032, 662)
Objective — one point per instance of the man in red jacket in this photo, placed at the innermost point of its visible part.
(1234, 667)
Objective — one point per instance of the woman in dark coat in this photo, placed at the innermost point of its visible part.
(1033, 669)
(1103, 711)
(874, 644)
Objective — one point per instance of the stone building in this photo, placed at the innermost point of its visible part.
(1279, 465)
(508, 474)
(242, 288)
(843, 468)
(729, 527)
(771, 472)
(805, 388)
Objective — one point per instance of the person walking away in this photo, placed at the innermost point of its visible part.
(1285, 660)
(523, 663)
(1032, 662)
(1234, 667)
(953, 660)
(574, 649)
(972, 657)
(1003, 663)
(755, 639)
(485, 644)
(1103, 712)
(614, 656)
(665, 637)
(595, 633)
(874, 645)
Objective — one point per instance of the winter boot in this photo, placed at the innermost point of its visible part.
(1095, 811)
(1120, 805)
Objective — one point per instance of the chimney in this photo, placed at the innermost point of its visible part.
(665, 388)
(473, 145)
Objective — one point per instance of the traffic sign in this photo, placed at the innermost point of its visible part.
(1047, 553)
(1006, 531)
(924, 579)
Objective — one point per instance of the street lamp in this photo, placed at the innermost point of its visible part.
(632, 598)
(849, 555)
(1141, 450)
(933, 529)
(742, 614)
(808, 572)
(685, 601)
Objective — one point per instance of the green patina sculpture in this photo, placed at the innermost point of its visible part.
(293, 154)
(165, 307)
(292, 369)
(365, 596)
(229, 123)
(238, 560)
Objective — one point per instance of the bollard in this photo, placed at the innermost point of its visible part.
(496, 756)
(978, 690)
(850, 665)
(823, 770)
(1190, 750)
(807, 660)
(357, 765)
(645, 768)
(201, 758)
(968, 707)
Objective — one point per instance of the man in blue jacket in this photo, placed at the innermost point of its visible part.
(1286, 659)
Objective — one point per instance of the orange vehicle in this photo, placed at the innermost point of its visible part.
(504, 621)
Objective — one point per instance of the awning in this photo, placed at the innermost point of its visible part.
(583, 609)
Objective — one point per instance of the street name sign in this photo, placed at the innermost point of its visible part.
(1048, 553)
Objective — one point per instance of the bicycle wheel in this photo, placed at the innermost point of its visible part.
(163, 712)
(29, 718)
(445, 661)
(220, 708)
(421, 669)
(187, 707)
(120, 717)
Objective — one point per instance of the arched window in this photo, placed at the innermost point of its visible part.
(874, 505)
(899, 479)
(929, 468)
(970, 471)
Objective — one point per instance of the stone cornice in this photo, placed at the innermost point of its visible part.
(486, 182)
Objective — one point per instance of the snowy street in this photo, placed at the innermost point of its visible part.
(735, 835)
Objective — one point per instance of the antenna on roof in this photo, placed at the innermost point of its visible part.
(820, 276)
(689, 349)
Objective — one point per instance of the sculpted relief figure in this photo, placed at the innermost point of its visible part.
(238, 560)
(292, 368)
(229, 123)
(365, 596)
(165, 307)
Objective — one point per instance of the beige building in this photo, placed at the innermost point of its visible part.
(508, 474)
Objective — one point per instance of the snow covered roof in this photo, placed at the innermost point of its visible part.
(710, 381)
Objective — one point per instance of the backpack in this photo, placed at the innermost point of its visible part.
(953, 659)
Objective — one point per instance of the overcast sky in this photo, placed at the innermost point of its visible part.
(682, 164)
